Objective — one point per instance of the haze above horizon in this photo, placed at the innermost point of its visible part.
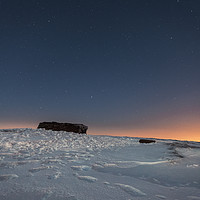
(120, 67)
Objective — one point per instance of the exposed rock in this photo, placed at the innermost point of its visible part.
(183, 145)
(69, 127)
(146, 141)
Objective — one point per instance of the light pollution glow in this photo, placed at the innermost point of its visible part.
(190, 135)
(184, 127)
(184, 131)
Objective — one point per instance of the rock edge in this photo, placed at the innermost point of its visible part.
(68, 127)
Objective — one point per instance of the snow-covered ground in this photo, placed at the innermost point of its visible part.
(47, 165)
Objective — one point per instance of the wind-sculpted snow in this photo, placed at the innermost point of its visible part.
(7, 176)
(26, 140)
(39, 164)
(131, 190)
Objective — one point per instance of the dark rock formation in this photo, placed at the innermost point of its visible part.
(55, 126)
(183, 145)
(146, 141)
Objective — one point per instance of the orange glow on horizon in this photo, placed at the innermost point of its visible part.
(159, 134)
(17, 125)
(182, 127)
(179, 131)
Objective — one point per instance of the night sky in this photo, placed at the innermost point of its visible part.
(122, 67)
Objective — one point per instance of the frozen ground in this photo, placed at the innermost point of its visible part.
(47, 165)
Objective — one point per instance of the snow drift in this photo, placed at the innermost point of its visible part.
(47, 165)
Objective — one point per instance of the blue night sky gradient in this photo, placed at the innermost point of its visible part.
(104, 63)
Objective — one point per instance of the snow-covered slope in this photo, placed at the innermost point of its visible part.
(47, 165)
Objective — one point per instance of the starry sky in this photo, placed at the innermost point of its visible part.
(122, 67)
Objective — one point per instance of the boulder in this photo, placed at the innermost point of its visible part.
(68, 127)
(146, 141)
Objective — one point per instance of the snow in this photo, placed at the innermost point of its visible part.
(131, 190)
(87, 178)
(47, 165)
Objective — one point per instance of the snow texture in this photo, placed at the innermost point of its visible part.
(131, 190)
(51, 165)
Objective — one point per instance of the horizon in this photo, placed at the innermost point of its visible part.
(154, 133)
(120, 67)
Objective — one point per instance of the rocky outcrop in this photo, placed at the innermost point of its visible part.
(68, 127)
(146, 141)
